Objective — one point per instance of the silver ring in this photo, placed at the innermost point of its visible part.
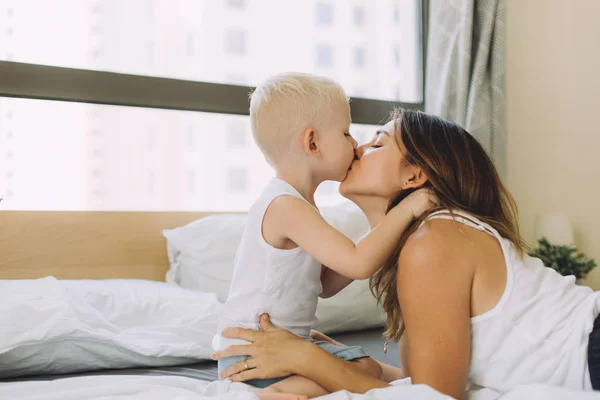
(246, 365)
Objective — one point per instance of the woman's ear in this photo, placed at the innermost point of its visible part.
(416, 179)
(309, 142)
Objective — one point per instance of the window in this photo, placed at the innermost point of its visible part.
(237, 180)
(360, 135)
(235, 42)
(237, 79)
(358, 91)
(96, 29)
(324, 55)
(151, 7)
(151, 139)
(359, 57)
(359, 16)
(212, 52)
(397, 56)
(236, 3)
(151, 182)
(150, 52)
(324, 13)
(55, 151)
(191, 142)
(219, 33)
(190, 45)
(396, 14)
(191, 183)
(363, 133)
(237, 135)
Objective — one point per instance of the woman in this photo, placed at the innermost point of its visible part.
(465, 301)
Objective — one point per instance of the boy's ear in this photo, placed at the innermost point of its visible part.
(309, 142)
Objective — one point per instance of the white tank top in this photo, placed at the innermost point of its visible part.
(284, 283)
(538, 332)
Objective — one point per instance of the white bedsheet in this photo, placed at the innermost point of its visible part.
(169, 387)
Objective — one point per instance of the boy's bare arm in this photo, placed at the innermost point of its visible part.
(332, 282)
(299, 222)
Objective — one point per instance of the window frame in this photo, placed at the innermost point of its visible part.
(46, 82)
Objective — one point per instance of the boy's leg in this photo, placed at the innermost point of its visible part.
(389, 373)
(297, 384)
(304, 386)
(279, 396)
(369, 366)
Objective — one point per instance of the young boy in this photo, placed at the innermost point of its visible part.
(288, 254)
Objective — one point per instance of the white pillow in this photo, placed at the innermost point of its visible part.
(51, 327)
(202, 256)
(202, 253)
(353, 309)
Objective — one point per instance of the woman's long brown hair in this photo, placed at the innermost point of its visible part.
(462, 176)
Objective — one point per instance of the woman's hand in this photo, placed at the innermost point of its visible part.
(276, 352)
(273, 352)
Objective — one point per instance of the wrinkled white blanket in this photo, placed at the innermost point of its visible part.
(180, 388)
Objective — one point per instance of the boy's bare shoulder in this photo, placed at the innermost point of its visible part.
(285, 205)
(283, 213)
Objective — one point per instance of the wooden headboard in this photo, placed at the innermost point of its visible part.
(86, 245)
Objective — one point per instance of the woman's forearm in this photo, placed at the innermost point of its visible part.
(389, 373)
(334, 374)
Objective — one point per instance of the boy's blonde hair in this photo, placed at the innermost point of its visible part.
(286, 104)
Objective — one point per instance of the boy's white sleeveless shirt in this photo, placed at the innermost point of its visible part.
(285, 284)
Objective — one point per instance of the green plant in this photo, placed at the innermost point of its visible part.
(564, 259)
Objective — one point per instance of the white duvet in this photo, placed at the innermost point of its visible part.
(61, 326)
(181, 388)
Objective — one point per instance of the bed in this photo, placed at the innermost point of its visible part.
(92, 246)
(370, 340)
(114, 245)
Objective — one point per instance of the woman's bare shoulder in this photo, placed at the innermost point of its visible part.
(438, 242)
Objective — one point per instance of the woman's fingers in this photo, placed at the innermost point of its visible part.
(236, 368)
(244, 375)
(239, 350)
(240, 333)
